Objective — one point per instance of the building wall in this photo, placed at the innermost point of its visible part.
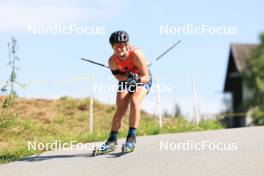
(247, 93)
(237, 91)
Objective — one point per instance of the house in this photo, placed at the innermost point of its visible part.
(238, 55)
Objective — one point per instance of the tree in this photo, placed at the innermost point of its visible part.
(254, 75)
(8, 89)
(254, 79)
(177, 111)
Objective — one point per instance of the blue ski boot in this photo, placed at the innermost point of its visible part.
(130, 144)
(107, 147)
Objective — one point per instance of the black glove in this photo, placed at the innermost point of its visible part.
(132, 81)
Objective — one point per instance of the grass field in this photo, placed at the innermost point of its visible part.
(67, 119)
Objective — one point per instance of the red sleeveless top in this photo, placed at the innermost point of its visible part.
(127, 65)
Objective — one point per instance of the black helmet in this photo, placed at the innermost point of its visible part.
(118, 37)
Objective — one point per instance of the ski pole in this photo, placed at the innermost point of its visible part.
(149, 65)
(165, 52)
(96, 63)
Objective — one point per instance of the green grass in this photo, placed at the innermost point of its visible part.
(67, 119)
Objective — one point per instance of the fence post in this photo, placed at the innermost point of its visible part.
(91, 106)
(158, 101)
(195, 103)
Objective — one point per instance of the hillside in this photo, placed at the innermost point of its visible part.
(67, 119)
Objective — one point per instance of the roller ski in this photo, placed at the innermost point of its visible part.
(105, 148)
(130, 145)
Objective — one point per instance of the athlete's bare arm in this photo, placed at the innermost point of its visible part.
(113, 67)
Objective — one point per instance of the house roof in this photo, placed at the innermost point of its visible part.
(241, 53)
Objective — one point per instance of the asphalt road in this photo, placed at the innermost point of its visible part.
(228, 152)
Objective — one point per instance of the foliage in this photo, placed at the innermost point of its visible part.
(8, 115)
(254, 75)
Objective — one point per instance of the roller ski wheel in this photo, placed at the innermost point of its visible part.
(104, 149)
